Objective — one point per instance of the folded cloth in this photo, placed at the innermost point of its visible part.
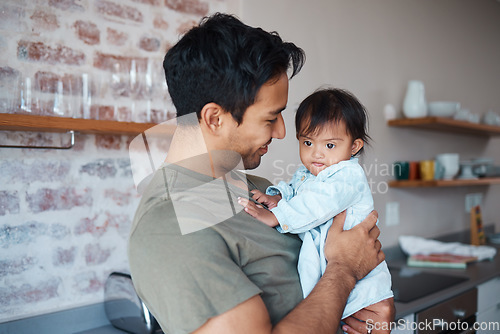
(412, 245)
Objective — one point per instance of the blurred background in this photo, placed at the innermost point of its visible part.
(65, 214)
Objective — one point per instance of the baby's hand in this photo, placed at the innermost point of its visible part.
(268, 200)
(258, 212)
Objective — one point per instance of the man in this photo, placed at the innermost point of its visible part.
(201, 264)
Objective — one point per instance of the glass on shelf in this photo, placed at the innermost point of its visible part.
(38, 104)
(9, 88)
(58, 108)
(86, 96)
(25, 95)
(120, 81)
(148, 80)
(133, 91)
(134, 79)
(74, 96)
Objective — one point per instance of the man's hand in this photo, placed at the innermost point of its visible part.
(356, 251)
(258, 212)
(267, 200)
(378, 317)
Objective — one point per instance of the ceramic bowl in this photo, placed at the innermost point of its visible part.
(481, 166)
(443, 108)
(466, 172)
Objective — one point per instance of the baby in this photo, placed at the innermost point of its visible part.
(331, 129)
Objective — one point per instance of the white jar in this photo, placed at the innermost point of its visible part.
(414, 104)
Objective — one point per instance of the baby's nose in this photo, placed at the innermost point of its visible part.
(318, 153)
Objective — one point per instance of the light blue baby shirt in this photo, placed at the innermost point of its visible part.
(307, 208)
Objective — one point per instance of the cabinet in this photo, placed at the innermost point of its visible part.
(450, 126)
(488, 307)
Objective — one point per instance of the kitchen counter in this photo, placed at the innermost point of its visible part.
(108, 329)
(476, 273)
(90, 319)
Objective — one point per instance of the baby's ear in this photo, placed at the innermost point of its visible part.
(356, 146)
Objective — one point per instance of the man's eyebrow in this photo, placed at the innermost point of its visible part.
(276, 112)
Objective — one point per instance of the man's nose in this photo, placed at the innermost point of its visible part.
(279, 130)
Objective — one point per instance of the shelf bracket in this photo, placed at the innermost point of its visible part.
(69, 146)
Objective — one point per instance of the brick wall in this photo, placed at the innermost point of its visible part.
(65, 214)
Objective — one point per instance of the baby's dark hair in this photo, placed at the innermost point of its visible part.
(332, 105)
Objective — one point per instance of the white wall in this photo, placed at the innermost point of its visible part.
(373, 48)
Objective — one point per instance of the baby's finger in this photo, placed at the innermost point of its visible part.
(243, 201)
(256, 194)
(250, 207)
(251, 211)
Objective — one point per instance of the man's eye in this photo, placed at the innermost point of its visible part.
(273, 120)
(329, 145)
(307, 143)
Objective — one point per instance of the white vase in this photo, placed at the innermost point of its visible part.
(414, 104)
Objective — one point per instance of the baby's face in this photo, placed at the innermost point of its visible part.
(326, 147)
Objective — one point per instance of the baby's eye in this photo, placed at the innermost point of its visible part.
(329, 145)
(307, 143)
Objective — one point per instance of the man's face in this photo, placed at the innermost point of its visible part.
(325, 147)
(261, 123)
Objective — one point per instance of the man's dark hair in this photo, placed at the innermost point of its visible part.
(331, 106)
(226, 62)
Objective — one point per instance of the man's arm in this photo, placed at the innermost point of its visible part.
(321, 311)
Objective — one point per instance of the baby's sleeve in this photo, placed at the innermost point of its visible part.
(318, 202)
(284, 189)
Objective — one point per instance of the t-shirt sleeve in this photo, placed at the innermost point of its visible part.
(185, 279)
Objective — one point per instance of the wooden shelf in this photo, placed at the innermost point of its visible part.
(443, 183)
(447, 125)
(19, 122)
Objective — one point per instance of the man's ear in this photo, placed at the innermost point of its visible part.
(356, 146)
(211, 116)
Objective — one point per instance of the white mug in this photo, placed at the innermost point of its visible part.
(451, 164)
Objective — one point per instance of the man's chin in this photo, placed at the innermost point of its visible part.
(251, 163)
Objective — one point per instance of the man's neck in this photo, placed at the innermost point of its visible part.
(190, 150)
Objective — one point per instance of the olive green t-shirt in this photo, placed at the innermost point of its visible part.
(187, 268)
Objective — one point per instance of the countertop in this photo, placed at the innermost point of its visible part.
(89, 319)
(476, 273)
